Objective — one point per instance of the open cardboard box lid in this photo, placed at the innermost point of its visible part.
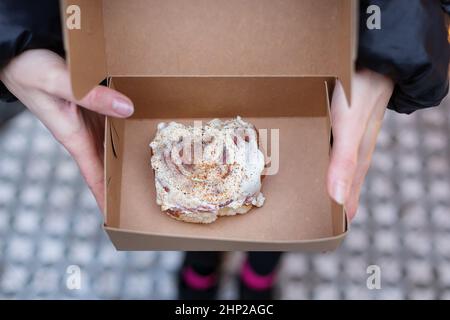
(272, 62)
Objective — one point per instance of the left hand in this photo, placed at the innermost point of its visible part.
(40, 80)
(355, 131)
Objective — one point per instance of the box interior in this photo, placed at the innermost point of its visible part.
(297, 206)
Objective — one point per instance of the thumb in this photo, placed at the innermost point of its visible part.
(100, 99)
(347, 134)
(342, 168)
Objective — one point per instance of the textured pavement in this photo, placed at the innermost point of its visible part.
(49, 221)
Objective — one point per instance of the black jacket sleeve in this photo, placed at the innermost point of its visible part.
(28, 24)
(446, 5)
(411, 47)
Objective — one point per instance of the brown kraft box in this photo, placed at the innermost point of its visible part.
(274, 63)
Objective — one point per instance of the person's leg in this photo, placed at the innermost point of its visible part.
(198, 278)
(258, 275)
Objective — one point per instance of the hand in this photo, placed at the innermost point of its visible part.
(40, 80)
(355, 130)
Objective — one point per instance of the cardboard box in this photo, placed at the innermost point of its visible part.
(272, 62)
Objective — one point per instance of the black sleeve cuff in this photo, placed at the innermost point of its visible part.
(411, 48)
(28, 25)
(5, 95)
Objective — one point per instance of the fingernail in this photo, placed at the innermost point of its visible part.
(122, 107)
(339, 192)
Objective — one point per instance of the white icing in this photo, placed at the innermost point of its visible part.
(209, 182)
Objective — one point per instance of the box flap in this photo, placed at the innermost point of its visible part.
(211, 38)
(85, 46)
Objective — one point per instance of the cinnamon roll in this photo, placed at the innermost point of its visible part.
(206, 171)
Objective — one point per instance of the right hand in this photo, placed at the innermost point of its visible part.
(355, 131)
